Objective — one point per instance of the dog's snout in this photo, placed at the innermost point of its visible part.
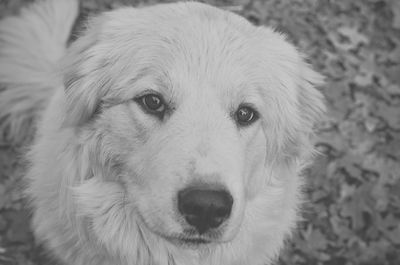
(204, 208)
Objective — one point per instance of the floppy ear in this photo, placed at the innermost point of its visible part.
(311, 106)
(295, 117)
(293, 112)
(311, 101)
(85, 77)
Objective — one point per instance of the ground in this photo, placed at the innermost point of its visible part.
(352, 216)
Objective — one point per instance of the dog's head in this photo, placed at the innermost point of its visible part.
(199, 120)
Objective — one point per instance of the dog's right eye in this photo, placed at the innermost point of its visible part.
(152, 104)
(246, 115)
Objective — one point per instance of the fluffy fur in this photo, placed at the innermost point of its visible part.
(104, 174)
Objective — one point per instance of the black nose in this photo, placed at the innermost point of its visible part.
(204, 208)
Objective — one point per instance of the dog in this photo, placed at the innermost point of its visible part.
(174, 134)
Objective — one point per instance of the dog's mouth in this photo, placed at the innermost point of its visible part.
(189, 241)
(194, 241)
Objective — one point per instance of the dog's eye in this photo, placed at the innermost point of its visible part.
(153, 104)
(245, 115)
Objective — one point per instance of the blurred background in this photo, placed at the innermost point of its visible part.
(352, 216)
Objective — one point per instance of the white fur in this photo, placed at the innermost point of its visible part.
(104, 174)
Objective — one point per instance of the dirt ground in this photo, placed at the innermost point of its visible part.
(353, 213)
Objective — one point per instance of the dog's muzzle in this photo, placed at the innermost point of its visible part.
(204, 209)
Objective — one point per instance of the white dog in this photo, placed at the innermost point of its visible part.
(168, 135)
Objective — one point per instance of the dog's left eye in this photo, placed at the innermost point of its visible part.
(152, 104)
(245, 115)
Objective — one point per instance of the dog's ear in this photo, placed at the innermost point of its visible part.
(290, 123)
(86, 80)
(293, 102)
(311, 107)
(311, 101)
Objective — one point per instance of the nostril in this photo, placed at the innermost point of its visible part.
(204, 208)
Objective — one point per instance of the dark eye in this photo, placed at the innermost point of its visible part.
(245, 115)
(153, 104)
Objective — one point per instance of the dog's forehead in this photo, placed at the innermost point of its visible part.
(197, 31)
(197, 46)
(184, 41)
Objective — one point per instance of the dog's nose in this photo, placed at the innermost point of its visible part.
(204, 208)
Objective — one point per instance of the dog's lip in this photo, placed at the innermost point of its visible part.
(180, 239)
(189, 241)
(194, 241)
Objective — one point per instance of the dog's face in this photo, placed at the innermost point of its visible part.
(200, 117)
